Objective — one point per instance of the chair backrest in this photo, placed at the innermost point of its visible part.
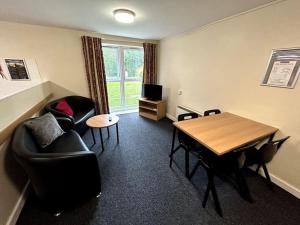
(77, 103)
(187, 116)
(23, 144)
(182, 137)
(233, 159)
(212, 111)
(269, 149)
(248, 146)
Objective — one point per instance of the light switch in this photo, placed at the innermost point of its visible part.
(179, 92)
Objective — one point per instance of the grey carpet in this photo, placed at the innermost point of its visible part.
(140, 188)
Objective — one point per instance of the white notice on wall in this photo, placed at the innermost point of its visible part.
(281, 73)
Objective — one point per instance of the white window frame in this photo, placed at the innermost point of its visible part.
(121, 71)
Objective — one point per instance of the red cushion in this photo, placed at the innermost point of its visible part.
(64, 107)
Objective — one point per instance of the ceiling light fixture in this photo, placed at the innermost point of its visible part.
(124, 15)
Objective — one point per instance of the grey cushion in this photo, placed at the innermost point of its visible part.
(45, 129)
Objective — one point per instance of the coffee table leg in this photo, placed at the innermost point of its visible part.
(108, 132)
(101, 138)
(117, 128)
(93, 135)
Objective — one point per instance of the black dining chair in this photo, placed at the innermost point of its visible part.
(218, 165)
(211, 112)
(264, 155)
(185, 142)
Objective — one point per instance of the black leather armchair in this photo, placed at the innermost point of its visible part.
(83, 109)
(64, 174)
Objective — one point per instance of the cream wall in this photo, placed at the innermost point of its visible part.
(221, 66)
(12, 177)
(57, 53)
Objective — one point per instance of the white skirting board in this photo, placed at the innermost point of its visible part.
(276, 180)
(171, 117)
(283, 184)
(12, 220)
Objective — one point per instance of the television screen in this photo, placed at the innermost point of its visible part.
(152, 92)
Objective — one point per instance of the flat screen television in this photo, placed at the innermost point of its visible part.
(152, 92)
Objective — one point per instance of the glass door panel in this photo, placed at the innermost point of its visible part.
(133, 66)
(133, 93)
(114, 96)
(111, 59)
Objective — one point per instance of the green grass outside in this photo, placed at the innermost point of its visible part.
(132, 94)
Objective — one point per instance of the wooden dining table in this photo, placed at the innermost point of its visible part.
(225, 132)
(222, 133)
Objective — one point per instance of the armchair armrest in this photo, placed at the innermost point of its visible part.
(65, 123)
(58, 177)
(79, 102)
(57, 113)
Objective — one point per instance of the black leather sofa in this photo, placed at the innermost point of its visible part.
(83, 109)
(64, 174)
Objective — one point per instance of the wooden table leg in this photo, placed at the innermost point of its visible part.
(101, 138)
(117, 128)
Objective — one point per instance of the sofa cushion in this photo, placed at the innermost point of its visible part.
(64, 107)
(68, 142)
(45, 129)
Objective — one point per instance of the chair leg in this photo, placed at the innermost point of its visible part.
(239, 183)
(194, 170)
(269, 182)
(206, 194)
(257, 169)
(216, 199)
(211, 187)
(172, 153)
(172, 147)
(187, 163)
(243, 186)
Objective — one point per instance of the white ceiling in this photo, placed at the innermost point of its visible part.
(155, 19)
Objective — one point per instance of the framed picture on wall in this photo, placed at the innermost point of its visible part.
(4, 74)
(283, 69)
(17, 69)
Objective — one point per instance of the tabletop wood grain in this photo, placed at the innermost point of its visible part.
(224, 132)
(101, 121)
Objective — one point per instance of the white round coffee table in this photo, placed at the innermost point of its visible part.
(103, 121)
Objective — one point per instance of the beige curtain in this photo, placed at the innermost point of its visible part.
(94, 65)
(149, 73)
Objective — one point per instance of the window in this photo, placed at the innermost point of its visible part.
(124, 74)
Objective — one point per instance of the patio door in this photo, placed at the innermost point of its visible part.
(124, 72)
